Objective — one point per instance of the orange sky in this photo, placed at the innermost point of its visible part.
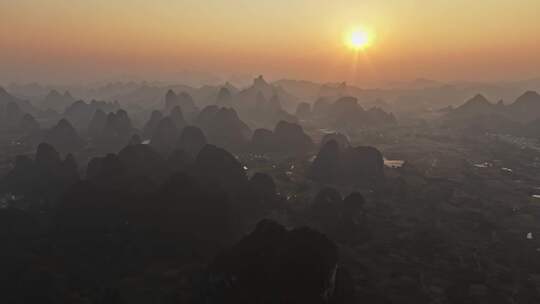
(61, 40)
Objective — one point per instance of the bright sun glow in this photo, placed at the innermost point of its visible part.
(358, 39)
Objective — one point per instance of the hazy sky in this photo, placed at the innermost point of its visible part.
(76, 40)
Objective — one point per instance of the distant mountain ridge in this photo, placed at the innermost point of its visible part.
(6, 98)
(525, 108)
(56, 101)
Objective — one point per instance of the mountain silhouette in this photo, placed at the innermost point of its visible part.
(45, 178)
(275, 264)
(165, 136)
(224, 98)
(184, 101)
(81, 112)
(56, 101)
(362, 166)
(64, 137)
(526, 107)
(303, 110)
(292, 138)
(217, 164)
(152, 123)
(223, 128)
(191, 140)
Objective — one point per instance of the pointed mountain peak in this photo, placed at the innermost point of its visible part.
(170, 94)
(64, 124)
(479, 99)
(67, 94)
(47, 154)
(224, 92)
(259, 81)
(529, 96)
(53, 94)
(185, 95)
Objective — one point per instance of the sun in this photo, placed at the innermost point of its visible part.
(358, 39)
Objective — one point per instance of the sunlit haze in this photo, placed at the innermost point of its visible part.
(280, 151)
(67, 41)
